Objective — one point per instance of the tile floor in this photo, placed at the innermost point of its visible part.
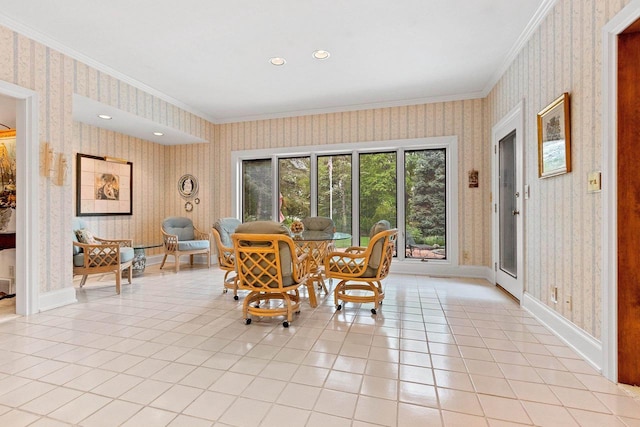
(173, 350)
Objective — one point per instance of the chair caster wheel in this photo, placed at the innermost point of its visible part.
(285, 324)
(247, 322)
(338, 307)
(297, 312)
(235, 297)
(225, 290)
(373, 311)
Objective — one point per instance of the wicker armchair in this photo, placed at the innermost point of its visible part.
(222, 231)
(270, 269)
(101, 255)
(363, 268)
(181, 237)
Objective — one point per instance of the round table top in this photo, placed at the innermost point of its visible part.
(146, 245)
(309, 235)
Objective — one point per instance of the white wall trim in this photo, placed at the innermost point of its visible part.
(426, 269)
(28, 210)
(582, 343)
(545, 7)
(57, 298)
(609, 231)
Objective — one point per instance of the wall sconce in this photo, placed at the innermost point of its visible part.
(47, 159)
(61, 170)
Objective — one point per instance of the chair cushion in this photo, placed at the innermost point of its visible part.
(86, 236)
(376, 252)
(192, 245)
(180, 226)
(77, 224)
(126, 254)
(226, 227)
(319, 223)
(271, 227)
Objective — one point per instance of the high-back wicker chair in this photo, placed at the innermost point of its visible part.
(222, 230)
(270, 269)
(363, 268)
(93, 255)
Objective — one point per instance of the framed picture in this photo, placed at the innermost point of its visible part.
(104, 186)
(187, 186)
(554, 138)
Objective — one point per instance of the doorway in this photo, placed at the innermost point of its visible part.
(27, 268)
(628, 154)
(623, 22)
(508, 238)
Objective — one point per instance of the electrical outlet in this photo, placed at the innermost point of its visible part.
(12, 271)
(554, 294)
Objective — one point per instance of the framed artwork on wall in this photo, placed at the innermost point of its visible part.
(554, 138)
(188, 186)
(104, 186)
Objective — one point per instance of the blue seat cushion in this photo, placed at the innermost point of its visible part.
(191, 245)
(226, 227)
(179, 226)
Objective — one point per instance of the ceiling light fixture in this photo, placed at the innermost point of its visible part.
(321, 54)
(105, 116)
(277, 61)
(158, 133)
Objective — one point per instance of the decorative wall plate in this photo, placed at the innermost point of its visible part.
(188, 206)
(188, 186)
(196, 201)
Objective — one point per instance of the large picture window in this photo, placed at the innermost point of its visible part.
(410, 183)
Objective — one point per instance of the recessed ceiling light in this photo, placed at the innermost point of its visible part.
(321, 54)
(105, 116)
(277, 61)
(158, 133)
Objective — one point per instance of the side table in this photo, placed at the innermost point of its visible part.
(140, 258)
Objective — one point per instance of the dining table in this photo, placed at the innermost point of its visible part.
(317, 244)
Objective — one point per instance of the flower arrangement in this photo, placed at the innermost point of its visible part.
(297, 227)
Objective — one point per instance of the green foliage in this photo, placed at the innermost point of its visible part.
(426, 205)
(295, 187)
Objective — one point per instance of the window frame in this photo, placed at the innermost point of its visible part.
(449, 143)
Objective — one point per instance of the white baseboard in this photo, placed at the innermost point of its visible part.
(436, 269)
(57, 298)
(581, 342)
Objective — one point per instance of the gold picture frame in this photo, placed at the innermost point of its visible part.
(554, 138)
(104, 186)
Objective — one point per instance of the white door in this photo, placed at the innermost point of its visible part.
(508, 202)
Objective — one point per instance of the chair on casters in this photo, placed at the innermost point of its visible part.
(363, 268)
(93, 255)
(222, 230)
(181, 237)
(270, 268)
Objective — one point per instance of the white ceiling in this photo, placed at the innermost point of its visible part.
(211, 57)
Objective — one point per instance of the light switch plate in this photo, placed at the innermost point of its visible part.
(594, 183)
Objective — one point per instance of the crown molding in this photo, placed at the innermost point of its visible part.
(355, 107)
(39, 37)
(534, 23)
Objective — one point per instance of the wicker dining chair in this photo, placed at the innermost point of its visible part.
(270, 268)
(363, 268)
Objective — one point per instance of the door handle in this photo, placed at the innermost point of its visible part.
(516, 212)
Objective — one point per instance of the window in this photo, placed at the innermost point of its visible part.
(410, 183)
(257, 193)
